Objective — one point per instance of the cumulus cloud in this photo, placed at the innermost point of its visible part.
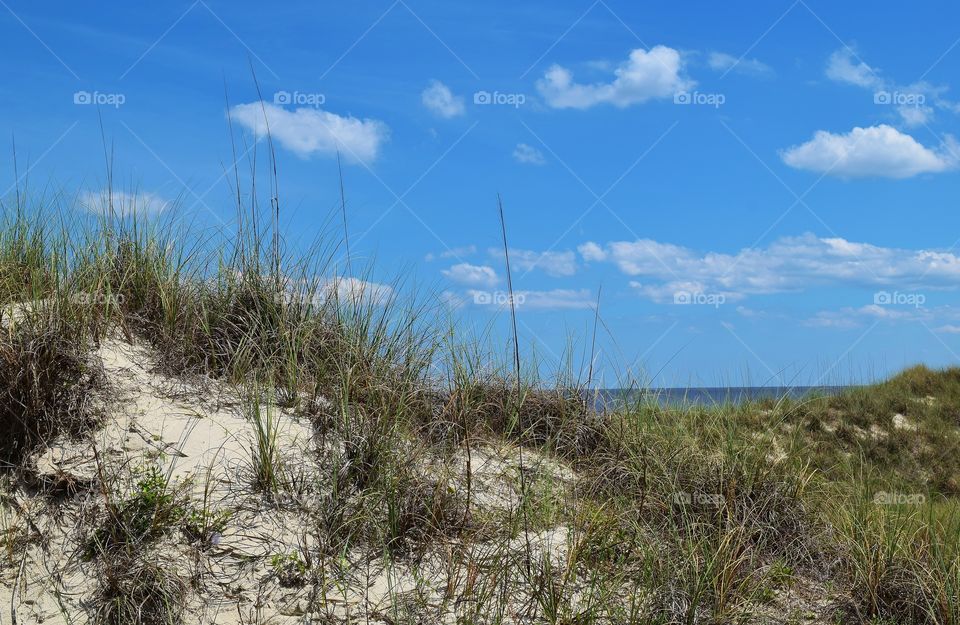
(309, 131)
(949, 329)
(121, 203)
(880, 151)
(474, 275)
(645, 75)
(788, 264)
(722, 62)
(441, 102)
(592, 252)
(640, 257)
(524, 153)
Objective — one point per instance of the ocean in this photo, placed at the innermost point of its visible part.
(607, 399)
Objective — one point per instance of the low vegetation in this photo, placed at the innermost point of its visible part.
(477, 501)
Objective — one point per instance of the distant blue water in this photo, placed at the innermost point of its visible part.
(607, 399)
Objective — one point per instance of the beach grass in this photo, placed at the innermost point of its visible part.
(821, 509)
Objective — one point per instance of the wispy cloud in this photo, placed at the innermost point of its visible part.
(121, 203)
(440, 101)
(556, 264)
(915, 102)
(723, 62)
(309, 131)
(354, 290)
(856, 317)
(528, 154)
(788, 264)
(472, 275)
(453, 299)
(555, 299)
(843, 66)
(454, 252)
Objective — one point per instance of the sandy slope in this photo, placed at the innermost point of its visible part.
(199, 436)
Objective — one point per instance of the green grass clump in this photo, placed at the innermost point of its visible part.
(150, 511)
(138, 589)
(136, 581)
(47, 379)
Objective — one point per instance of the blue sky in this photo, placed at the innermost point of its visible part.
(765, 192)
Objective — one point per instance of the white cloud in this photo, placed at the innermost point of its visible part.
(640, 257)
(877, 311)
(440, 100)
(354, 290)
(121, 203)
(524, 153)
(915, 115)
(592, 252)
(787, 264)
(454, 252)
(453, 300)
(474, 275)
(751, 313)
(645, 75)
(722, 62)
(666, 292)
(308, 131)
(554, 264)
(874, 151)
(856, 317)
(915, 103)
(844, 66)
(843, 319)
(556, 299)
